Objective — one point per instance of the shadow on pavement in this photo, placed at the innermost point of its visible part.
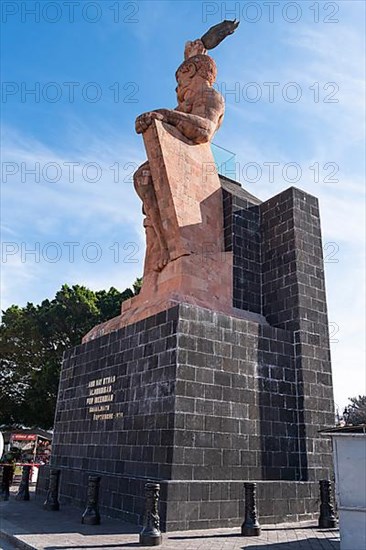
(29, 517)
(305, 544)
(201, 537)
(264, 530)
(302, 528)
(91, 547)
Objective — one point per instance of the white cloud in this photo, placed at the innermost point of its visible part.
(38, 213)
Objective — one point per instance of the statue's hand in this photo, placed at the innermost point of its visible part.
(143, 121)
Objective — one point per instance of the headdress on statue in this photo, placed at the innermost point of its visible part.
(205, 67)
(196, 51)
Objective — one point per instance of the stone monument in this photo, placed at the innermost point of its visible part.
(218, 372)
(180, 189)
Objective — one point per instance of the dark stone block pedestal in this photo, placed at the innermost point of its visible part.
(202, 402)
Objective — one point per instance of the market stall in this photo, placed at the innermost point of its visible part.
(27, 447)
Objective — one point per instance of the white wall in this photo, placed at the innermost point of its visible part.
(350, 471)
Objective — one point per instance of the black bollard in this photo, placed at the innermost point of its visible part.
(327, 519)
(23, 491)
(250, 527)
(7, 478)
(151, 535)
(51, 502)
(91, 515)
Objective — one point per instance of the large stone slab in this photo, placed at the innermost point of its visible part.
(188, 190)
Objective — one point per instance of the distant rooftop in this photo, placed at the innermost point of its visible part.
(361, 428)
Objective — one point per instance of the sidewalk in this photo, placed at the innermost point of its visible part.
(26, 525)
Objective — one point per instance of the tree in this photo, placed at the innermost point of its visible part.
(137, 285)
(33, 339)
(355, 413)
(109, 303)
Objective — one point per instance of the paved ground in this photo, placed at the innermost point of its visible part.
(4, 545)
(34, 528)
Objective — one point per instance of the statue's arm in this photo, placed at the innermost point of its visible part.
(194, 127)
(198, 126)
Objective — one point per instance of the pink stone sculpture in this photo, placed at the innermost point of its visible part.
(181, 195)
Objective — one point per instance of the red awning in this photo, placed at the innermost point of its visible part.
(23, 437)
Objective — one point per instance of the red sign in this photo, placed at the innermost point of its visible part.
(23, 437)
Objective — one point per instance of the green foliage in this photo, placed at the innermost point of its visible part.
(355, 413)
(137, 285)
(33, 339)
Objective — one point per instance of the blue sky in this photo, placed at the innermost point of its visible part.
(95, 66)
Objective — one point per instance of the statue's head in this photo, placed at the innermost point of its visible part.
(197, 68)
(202, 65)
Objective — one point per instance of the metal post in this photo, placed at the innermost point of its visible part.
(51, 502)
(327, 519)
(7, 477)
(250, 527)
(91, 515)
(151, 534)
(23, 491)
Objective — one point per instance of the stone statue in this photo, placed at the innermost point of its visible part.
(196, 118)
(186, 260)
